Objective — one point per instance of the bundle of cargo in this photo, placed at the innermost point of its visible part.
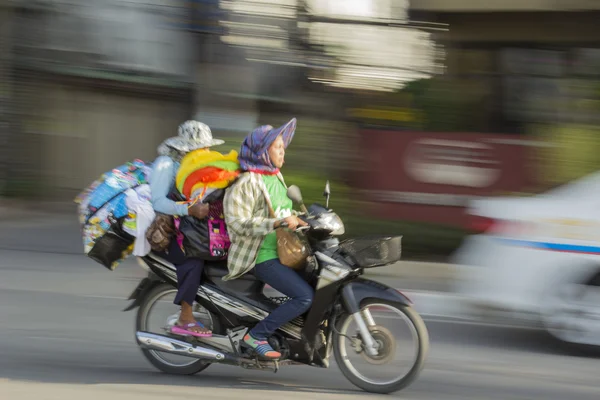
(113, 211)
(202, 177)
(203, 171)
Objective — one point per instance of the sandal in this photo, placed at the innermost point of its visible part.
(185, 330)
(261, 347)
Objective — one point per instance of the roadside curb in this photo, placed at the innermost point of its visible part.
(417, 275)
(414, 268)
(439, 304)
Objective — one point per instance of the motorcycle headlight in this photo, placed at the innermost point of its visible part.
(332, 222)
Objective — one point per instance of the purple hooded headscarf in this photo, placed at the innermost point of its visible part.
(254, 154)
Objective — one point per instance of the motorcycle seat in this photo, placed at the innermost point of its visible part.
(218, 269)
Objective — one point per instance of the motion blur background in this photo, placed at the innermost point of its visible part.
(388, 93)
(441, 120)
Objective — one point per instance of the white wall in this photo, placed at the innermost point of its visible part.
(86, 132)
(137, 35)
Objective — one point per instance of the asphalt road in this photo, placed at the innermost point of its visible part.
(63, 336)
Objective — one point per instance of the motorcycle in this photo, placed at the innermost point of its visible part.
(341, 320)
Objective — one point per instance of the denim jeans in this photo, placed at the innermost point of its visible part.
(291, 284)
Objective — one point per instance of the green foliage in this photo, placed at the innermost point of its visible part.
(447, 105)
(420, 240)
(571, 152)
(20, 188)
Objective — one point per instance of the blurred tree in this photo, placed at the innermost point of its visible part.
(449, 105)
(6, 51)
(569, 152)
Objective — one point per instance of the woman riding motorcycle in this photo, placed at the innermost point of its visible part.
(192, 135)
(252, 230)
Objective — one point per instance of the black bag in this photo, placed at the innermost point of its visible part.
(197, 233)
(110, 248)
(196, 241)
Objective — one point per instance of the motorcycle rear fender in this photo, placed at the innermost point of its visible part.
(355, 293)
(145, 286)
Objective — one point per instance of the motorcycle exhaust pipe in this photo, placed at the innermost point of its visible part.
(151, 341)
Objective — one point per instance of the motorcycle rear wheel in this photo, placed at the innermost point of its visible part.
(155, 357)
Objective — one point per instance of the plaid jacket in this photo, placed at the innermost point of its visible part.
(248, 221)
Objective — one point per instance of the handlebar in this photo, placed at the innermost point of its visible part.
(284, 224)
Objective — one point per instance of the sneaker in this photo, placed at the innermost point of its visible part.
(261, 347)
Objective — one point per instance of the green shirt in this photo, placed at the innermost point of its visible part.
(248, 222)
(283, 208)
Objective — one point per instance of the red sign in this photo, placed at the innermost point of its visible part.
(431, 177)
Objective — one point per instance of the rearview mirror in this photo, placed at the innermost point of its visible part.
(295, 194)
(327, 194)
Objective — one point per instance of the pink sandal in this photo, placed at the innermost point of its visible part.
(184, 330)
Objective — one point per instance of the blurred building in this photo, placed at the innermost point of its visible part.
(516, 110)
(5, 87)
(93, 84)
(274, 59)
(521, 62)
(96, 83)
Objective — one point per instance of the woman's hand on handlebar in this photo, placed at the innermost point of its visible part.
(292, 222)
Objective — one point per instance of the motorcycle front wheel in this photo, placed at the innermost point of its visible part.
(382, 373)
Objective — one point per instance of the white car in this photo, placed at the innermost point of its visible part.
(538, 259)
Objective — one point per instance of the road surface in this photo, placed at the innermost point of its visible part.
(63, 336)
